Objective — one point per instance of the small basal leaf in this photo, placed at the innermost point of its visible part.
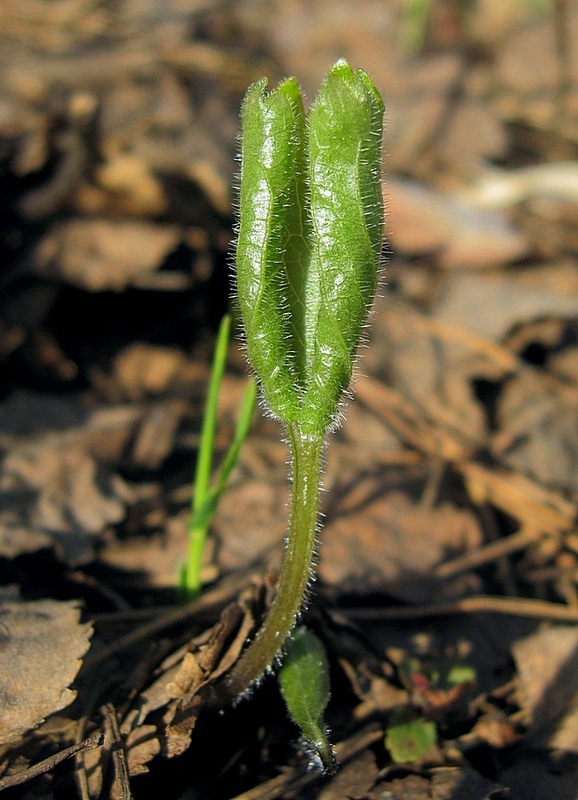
(459, 674)
(409, 738)
(304, 682)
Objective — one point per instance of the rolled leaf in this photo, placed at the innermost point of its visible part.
(272, 245)
(344, 154)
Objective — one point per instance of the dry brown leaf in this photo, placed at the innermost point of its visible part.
(101, 254)
(142, 746)
(68, 496)
(527, 88)
(393, 545)
(565, 364)
(157, 547)
(433, 373)
(352, 778)
(419, 91)
(538, 429)
(50, 486)
(156, 438)
(62, 486)
(143, 369)
(251, 519)
(492, 304)
(178, 693)
(495, 728)
(42, 646)
(547, 663)
(213, 658)
(421, 220)
(17, 537)
(456, 782)
(442, 783)
(135, 187)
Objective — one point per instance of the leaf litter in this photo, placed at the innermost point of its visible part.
(41, 637)
(450, 492)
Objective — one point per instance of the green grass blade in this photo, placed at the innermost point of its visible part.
(208, 428)
(190, 576)
(202, 516)
(241, 432)
(206, 498)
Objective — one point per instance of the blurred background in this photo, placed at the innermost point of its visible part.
(118, 124)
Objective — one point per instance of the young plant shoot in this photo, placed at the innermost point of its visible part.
(308, 255)
(205, 497)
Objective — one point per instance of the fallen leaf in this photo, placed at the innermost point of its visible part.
(494, 728)
(492, 304)
(62, 485)
(433, 372)
(537, 434)
(356, 775)
(42, 647)
(135, 187)
(177, 694)
(17, 537)
(456, 782)
(101, 254)
(525, 88)
(142, 746)
(143, 369)
(460, 236)
(68, 496)
(264, 504)
(547, 663)
(392, 545)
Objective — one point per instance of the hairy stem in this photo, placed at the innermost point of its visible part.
(296, 570)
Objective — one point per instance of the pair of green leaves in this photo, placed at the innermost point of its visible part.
(310, 238)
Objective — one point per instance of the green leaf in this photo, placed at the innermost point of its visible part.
(304, 682)
(272, 244)
(458, 674)
(345, 134)
(409, 738)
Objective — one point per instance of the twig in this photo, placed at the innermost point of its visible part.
(487, 553)
(49, 763)
(210, 599)
(514, 606)
(122, 789)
